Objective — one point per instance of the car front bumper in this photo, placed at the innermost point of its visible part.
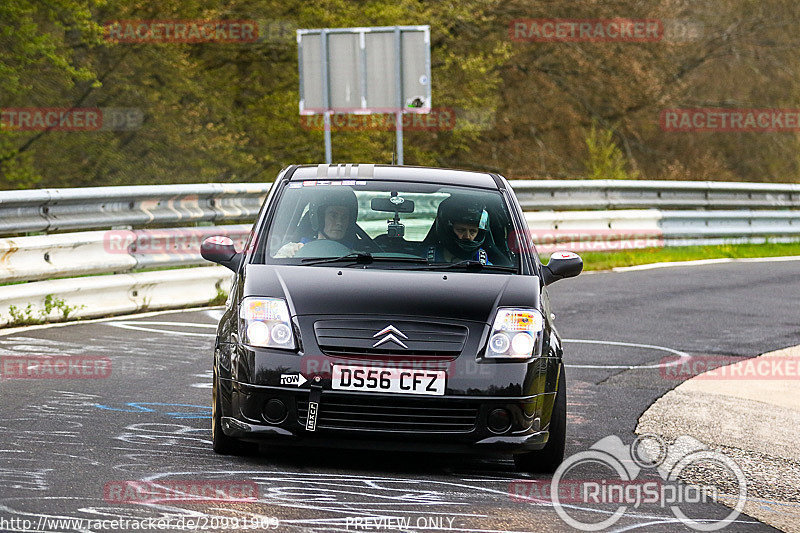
(382, 421)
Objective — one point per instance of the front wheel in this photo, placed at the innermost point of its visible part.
(547, 460)
(222, 443)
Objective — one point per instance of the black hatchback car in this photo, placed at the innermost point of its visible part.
(391, 307)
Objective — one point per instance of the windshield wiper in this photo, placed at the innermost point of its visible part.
(363, 258)
(357, 257)
(469, 264)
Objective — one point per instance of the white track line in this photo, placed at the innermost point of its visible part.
(11, 331)
(138, 326)
(684, 357)
(701, 262)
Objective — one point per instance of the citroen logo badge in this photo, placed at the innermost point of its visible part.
(392, 334)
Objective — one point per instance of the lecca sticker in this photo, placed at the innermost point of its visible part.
(220, 241)
(564, 255)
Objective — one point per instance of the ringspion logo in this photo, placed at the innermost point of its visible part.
(646, 474)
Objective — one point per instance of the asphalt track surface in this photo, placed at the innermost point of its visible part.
(62, 441)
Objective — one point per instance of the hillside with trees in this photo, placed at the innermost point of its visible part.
(228, 111)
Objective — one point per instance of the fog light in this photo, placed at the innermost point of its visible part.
(499, 343)
(275, 411)
(281, 334)
(499, 421)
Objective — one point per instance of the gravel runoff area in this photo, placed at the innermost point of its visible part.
(755, 422)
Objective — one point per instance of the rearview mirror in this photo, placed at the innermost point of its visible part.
(561, 265)
(220, 250)
(395, 204)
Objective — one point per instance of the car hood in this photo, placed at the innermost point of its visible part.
(318, 290)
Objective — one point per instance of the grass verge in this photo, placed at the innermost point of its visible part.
(609, 260)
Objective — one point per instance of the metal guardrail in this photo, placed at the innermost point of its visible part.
(123, 246)
(96, 296)
(642, 228)
(113, 251)
(54, 210)
(138, 231)
(736, 224)
(564, 195)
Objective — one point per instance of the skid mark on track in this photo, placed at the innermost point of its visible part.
(335, 499)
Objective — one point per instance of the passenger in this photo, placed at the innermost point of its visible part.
(459, 231)
(333, 217)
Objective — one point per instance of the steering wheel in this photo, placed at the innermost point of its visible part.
(323, 248)
(369, 243)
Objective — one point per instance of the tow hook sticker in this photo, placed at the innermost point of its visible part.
(293, 379)
(311, 421)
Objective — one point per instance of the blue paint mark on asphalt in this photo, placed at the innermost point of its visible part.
(162, 409)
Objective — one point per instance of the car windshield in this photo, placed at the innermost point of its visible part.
(389, 225)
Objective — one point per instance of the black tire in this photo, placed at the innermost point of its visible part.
(547, 460)
(222, 443)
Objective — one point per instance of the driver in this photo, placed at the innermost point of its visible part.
(460, 231)
(332, 217)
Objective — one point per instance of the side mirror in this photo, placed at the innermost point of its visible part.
(562, 265)
(221, 250)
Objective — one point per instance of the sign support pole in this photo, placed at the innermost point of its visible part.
(398, 50)
(328, 155)
(326, 96)
(399, 135)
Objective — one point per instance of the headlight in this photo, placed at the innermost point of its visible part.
(516, 333)
(266, 322)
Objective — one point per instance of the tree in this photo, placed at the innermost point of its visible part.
(605, 160)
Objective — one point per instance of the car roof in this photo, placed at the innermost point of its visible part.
(368, 172)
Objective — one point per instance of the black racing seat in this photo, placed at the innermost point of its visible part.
(398, 245)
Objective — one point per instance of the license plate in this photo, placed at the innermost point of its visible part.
(381, 379)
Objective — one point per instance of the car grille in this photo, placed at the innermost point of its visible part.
(358, 337)
(371, 413)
